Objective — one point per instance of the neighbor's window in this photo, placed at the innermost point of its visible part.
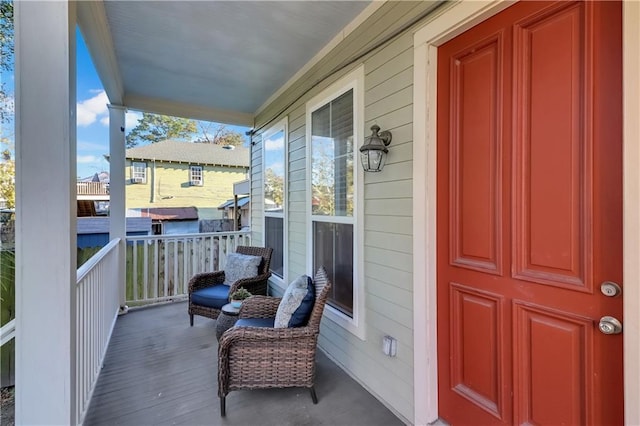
(274, 143)
(332, 196)
(138, 172)
(195, 175)
(157, 228)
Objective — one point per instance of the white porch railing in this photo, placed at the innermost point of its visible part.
(7, 332)
(159, 267)
(92, 188)
(97, 305)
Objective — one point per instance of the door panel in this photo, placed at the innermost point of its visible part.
(552, 148)
(557, 344)
(529, 216)
(476, 216)
(476, 373)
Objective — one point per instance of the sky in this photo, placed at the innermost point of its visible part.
(93, 116)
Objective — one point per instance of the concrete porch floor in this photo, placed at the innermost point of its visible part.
(160, 371)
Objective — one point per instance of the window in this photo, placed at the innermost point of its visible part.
(333, 123)
(275, 192)
(157, 228)
(195, 176)
(138, 172)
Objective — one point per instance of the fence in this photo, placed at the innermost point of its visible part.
(92, 188)
(159, 267)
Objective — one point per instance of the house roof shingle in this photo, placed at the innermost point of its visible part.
(193, 153)
(242, 201)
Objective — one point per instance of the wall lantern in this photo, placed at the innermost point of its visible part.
(374, 151)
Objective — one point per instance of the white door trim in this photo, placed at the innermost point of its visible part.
(631, 207)
(440, 28)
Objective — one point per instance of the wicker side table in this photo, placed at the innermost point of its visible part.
(227, 318)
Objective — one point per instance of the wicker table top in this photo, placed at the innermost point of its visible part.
(230, 310)
(227, 318)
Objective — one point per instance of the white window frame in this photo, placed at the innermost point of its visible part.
(137, 173)
(199, 178)
(352, 81)
(280, 126)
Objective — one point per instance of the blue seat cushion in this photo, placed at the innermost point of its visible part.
(255, 322)
(212, 297)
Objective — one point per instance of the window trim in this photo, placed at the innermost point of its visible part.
(282, 125)
(198, 182)
(138, 164)
(354, 80)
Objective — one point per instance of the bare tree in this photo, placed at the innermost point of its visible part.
(219, 134)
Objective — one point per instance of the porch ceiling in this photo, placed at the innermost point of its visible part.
(213, 60)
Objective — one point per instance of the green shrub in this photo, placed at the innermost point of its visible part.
(8, 286)
(7, 313)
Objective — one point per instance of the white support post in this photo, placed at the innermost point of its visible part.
(117, 188)
(45, 89)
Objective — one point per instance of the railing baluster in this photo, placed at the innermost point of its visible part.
(222, 249)
(176, 250)
(194, 256)
(184, 278)
(145, 256)
(134, 249)
(156, 267)
(201, 255)
(211, 254)
(166, 267)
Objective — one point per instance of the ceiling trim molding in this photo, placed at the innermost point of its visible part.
(197, 112)
(348, 29)
(92, 20)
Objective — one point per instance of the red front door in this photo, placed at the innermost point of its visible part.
(530, 217)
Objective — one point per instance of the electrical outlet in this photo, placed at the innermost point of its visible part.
(389, 346)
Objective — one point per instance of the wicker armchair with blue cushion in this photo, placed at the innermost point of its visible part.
(273, 344)
(248, 267)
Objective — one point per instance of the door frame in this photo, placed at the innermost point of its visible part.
(439, 28)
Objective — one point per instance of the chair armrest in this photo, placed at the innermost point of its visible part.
(262, 334)
(205, 279)
(259, 307)
(255, 285)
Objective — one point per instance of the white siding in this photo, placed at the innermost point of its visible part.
(256, 189)
(388, 240)
(297, 193)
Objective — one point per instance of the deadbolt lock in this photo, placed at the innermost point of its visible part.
(610, 289)
(610, 325)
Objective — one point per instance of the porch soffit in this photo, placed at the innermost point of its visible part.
(384, 24)
(216, 60)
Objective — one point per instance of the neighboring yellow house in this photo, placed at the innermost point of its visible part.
(184, 174)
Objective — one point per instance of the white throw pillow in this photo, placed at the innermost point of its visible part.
(240, 266)
(296, 304)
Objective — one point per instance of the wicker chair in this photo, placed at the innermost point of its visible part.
(262, 358)
(256, 285)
